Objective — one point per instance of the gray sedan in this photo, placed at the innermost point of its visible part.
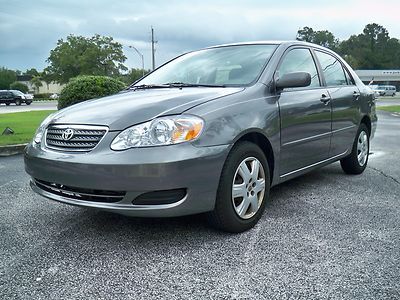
(208, 132)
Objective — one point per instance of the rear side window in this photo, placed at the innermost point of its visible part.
(332, 69)
(300, 60)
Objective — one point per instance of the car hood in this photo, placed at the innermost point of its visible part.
(133, 107)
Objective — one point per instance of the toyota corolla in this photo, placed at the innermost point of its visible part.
(208, 132)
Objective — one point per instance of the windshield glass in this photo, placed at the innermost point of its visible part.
(17, 92)
(228, 66)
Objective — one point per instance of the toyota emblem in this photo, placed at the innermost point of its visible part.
(67, 134)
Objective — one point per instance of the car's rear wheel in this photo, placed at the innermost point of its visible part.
(18, 102)
(357, 161)
(243, 189)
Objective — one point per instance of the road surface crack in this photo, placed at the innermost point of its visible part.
(385, 175)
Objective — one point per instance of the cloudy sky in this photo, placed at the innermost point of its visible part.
(30, 29)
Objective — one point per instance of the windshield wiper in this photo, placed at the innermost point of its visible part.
(182, 84)
(147, 86)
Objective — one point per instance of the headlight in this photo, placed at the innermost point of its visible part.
(159, 132)
(40, 131)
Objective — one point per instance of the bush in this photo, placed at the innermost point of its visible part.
(83, 88)
(43, 96)
(19, 86)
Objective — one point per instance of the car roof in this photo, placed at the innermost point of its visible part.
(270, 42)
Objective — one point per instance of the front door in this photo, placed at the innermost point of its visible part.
(305, 115)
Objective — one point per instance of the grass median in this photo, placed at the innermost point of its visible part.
(391, 108)
(24, 125)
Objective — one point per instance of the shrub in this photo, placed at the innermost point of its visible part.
(19, 86)
(83, 88)
(43, 96)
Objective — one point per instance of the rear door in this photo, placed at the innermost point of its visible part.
(305, 115)
(345, 102)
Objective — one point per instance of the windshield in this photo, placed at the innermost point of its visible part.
(18, 92)
(227, 66)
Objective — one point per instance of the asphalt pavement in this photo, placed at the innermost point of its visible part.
(36, 105)
(325, 235)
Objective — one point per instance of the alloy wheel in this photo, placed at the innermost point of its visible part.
(362, 148)
(248, 187)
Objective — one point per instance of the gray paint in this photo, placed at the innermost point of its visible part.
(295, 122)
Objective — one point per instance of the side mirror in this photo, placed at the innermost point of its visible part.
(293, 80)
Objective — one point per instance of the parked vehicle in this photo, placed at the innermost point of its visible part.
(54, 96)
(29, 96)
(386, 90)
(209, 131)
(13, 96)
(375, 90)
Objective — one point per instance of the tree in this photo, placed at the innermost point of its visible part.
(19, 86)
(36, 81)
(78, 55)
(133, 75)
(323, 37)
(33, 72)
(372, 49)
(6, 78)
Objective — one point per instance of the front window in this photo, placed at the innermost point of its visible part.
(227, 66)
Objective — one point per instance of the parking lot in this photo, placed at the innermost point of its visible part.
(325, 235)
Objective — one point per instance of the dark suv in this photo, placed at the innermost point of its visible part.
(13, 96)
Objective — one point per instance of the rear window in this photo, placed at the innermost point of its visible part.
(332, 69)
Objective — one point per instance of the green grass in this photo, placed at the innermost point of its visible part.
(24, 125)
(391, 108)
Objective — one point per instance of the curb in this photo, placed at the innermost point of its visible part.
(12, 149)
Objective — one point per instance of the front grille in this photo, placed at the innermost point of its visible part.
(80, 193)
(74, 138)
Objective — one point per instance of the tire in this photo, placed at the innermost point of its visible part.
(226, 214)
(357, 161)
(28, 103)
(8, 103)
(17, 102)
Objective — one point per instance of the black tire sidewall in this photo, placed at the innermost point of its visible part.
(224, 206)
(350, 164)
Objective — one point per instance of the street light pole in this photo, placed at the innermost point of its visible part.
(141, 56)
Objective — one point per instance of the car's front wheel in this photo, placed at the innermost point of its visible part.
(243, 189)
(357, 161)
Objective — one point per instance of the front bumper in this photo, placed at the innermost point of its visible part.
(134, 171)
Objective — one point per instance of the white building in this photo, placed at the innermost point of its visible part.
(382, 77)
(46, 88)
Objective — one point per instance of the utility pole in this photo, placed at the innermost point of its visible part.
(153, 60)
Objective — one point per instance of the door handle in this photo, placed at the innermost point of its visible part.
(325, 99)
(356, 95)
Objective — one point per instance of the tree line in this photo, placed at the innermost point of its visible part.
(102, 55)
(373, 48)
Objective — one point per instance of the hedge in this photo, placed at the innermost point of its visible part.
(83, 88)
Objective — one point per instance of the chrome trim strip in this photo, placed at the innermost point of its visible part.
(344, 128)
(74, 126)
(306, 139)
(313, 165)
(314, 137)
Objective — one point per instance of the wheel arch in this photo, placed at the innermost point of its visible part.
(255, 136)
